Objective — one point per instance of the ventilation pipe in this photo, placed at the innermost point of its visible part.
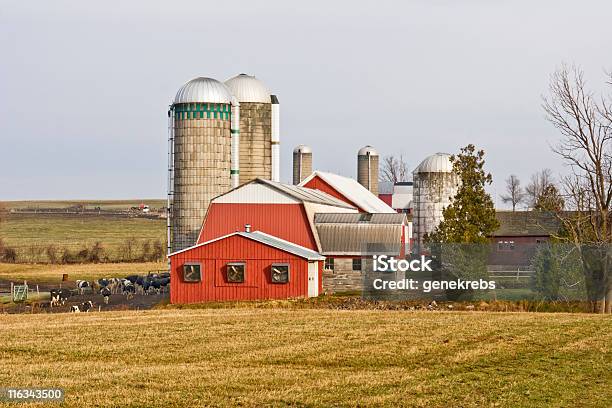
(235, 154)
(275, 139)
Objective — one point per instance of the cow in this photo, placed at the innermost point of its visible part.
(75, 309)
(128, 289)
(114, 284)
(85, 306)
(82, 285)
(55, 298)
(164, 284)
(106, 292)
(132, 278)
(59, 297)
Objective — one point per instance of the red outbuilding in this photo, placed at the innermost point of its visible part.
(245, 266)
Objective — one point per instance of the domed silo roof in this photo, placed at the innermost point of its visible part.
(203, 89)
(364, 151)
(302, 149)
(436, 163)
(247, 88)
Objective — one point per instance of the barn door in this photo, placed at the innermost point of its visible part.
(313, 279)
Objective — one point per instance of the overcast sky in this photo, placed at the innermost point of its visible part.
(84, 85)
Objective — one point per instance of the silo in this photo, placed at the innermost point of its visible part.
(434, 185)
(257, 117)
(302, 163)
(200, 156)
(367, 168)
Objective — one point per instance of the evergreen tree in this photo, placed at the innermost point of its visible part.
(470, 218)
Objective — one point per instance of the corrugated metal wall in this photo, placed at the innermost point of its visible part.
(258, 257)
(285, 221)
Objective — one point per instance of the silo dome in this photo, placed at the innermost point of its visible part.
(203, 90)
(367, 150)
(436, 163)
(302, 149)
(247, 88)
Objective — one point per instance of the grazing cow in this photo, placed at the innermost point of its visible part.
(132, 278)
(164, 284)
(85, 306)
(97, 285)
(59, 297)
(55, 298)
(105, 292)
(114, 284)
(75, 309)
(128, 289)
(82, 285)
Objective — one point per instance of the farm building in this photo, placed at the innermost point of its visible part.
(397, 195)
(281, 210)
(304, 219)
(347, 190)
(349, 240)
(519, 234)
(244, 266)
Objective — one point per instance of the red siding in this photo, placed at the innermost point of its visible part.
(319, 184)
(285, 221)
(386, 198)
(258, 257)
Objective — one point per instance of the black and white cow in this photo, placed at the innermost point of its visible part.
(128, 289)
(59, 297)
(83, 285)
(86, 306)
(106, 292)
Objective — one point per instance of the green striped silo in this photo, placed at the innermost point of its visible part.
(200, 156)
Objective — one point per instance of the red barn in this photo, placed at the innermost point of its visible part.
(347, 190)
(281, 210)
(245, 266)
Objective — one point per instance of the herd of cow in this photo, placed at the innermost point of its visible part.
(152, 283)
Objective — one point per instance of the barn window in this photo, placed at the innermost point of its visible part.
(235, 272)
(192, 273)
(329, 264)
(356, 264)
(505, 246)
(280, 273)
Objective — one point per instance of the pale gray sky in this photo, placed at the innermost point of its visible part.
(84, 85)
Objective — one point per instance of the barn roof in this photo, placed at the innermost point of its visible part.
(526, 223)
(358, 234)
(357, 218)
(353, 191)
(269, 240)
(295, 193)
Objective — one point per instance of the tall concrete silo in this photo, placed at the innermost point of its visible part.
(367, 168)
(434, 185)
(258, 128)
(200, 157)
(302, 163)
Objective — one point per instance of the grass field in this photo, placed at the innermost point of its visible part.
(251, 357)
(88, 204)
(30, 234)
(53, 273)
